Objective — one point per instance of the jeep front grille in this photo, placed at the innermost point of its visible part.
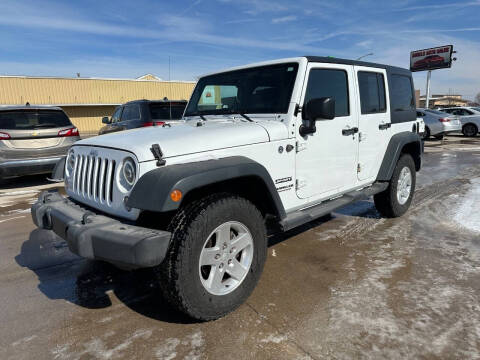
(93, 178)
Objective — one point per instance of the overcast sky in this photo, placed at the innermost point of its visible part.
(130, 38)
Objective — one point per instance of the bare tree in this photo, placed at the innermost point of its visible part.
(477, 98)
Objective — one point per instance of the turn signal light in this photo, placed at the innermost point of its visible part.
(153, 123)
(444, 120)
(4, 136)
(68, 132)
(176, 195)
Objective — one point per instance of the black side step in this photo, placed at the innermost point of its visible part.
(304, 216)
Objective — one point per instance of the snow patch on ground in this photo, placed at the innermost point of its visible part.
(468, 214)
(276, 339)
(192, 345)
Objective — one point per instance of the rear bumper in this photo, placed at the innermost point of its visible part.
(100, 237)
(11, 168)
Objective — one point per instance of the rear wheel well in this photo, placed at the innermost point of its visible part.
(414, 150)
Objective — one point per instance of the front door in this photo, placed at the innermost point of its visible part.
(374, 120)
(327, 159)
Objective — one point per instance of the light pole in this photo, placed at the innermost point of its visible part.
(361, 57)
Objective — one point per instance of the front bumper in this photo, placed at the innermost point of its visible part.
(100, 237)
(11, 168)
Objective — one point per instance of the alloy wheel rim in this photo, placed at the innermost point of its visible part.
(226, 258)
(469, 130)
(404, 185)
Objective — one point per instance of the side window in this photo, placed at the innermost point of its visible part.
(116, 114)
(131, 112)
(329, 83)
(372, 92)
(467, 112)
(402, 93)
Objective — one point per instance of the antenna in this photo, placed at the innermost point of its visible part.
(170, 86)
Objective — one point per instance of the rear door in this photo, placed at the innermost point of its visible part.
(326, 160)
(374, 120)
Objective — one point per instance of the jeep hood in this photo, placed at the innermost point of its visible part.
(184, 138)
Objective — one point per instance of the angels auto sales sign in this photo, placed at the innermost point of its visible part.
(431, 59)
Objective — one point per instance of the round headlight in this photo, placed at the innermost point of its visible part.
(129, 171)
(70, 161)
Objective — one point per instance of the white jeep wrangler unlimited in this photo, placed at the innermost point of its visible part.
(288, 140)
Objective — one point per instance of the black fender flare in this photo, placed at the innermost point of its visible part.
(394, 149)
(152, 191)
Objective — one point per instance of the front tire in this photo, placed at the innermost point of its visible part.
(396, 199)
(216, 258)
(470, 130)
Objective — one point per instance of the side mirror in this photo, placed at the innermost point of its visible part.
(316, 110)
(106, 120)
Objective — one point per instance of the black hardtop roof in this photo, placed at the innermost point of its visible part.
(155, 101)
(334, 60)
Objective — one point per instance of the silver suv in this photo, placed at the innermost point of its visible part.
(33, 139)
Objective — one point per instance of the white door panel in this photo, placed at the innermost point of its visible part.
(374, 120)
(327, 160)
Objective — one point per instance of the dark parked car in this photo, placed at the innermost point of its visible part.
(140, 113)
(33, 139)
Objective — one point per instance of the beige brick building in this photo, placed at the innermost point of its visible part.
(87, 100)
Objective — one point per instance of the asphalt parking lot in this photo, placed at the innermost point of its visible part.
(352, 285)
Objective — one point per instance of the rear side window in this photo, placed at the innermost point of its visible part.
(329, 83)
(166, 111)
(372, 92)
(131, 112)
(402, 93)
(29, 120)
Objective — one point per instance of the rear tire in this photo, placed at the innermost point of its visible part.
(426, 134)
(470, 130)
(396, 199)
(207, 292)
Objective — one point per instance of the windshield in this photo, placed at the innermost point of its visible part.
(167, 111)
(435, 112)
(476, 108)
(265, 89)
(29, 120)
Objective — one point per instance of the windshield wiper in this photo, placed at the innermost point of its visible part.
(40, 126)
(245, 116)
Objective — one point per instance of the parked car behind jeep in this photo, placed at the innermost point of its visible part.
(142, 113)
(470, 119)
(33, 139)
(438, 123)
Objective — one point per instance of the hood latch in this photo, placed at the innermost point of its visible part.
(157, 154)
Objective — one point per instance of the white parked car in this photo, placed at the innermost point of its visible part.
(470, 118)
(288, 140)
(438, 123)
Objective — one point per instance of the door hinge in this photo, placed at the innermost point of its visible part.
(359, 168)
(300, 183)
(300, 146)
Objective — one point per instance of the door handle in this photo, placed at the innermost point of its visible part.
(384, 126)
(350, 131)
